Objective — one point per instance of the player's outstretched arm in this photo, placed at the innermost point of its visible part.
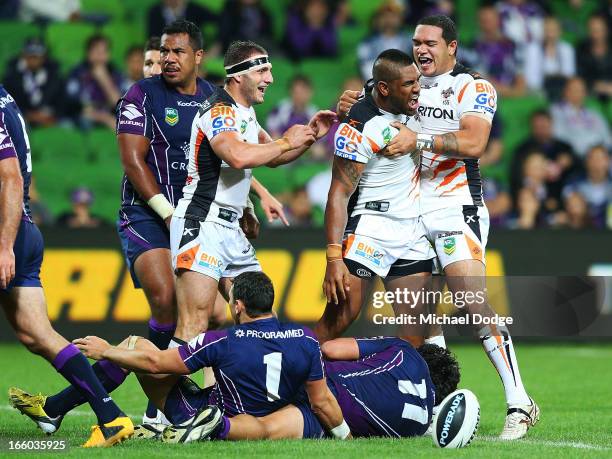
(345, 177)
(133, 150)
(470, 141)
(340, 349)
(241, 155)
(145, 359)
(326, 408)
(11, 198)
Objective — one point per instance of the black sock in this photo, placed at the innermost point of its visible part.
(87, 385)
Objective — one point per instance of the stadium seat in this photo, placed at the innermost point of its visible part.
(276, 180)
(278, 12)
(111, 9)
(467, 20)
(302, 173)
(123, 36)
(213, 5)
(136, 11)
(58, 144)
(350, 37)
(12, 37)
(67, 42)
(363, 10)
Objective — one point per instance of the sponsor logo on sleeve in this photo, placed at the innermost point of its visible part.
(172, 116)
(131, 115)
(347, 140)
(3, 137)
(485, 98)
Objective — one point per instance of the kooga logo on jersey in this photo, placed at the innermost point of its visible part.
(449, 418)
(435, 112)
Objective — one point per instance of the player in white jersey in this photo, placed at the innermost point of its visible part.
(456, 107)
(208, 246)
(372, 214)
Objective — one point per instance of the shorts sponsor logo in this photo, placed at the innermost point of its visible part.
(471, 218)
(449, 245)
(345, 155)
(449, 234)
(172, 116)
(211, 262)
(189, 231)
(361, 272)
(368, 252)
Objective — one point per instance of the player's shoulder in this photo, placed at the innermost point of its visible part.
(361, 112)
(205, 86)
(463, 76)
(300, 331)
(218, 101)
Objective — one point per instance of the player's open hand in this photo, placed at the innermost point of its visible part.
(249, 224)
(92, 346)
(299, 135)
(273, 208)
(7, 267)
(404, 142)
(347, 100)
(336, 285)
(321, 122)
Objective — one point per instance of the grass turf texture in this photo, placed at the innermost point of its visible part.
(570, 382)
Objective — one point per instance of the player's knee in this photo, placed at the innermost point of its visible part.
(163, 305)
(30, 341)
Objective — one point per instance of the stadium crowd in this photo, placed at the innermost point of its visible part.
(559, 175)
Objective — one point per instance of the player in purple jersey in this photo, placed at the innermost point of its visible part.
(260, 366)
(22, 297)
(153, 129)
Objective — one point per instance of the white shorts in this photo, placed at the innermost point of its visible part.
(379, 245)
(458, 233)
(210, 248)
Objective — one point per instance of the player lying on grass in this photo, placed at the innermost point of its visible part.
(260, 365)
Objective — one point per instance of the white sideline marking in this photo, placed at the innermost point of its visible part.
(554, 444)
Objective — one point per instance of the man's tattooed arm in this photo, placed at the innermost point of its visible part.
(345, 178)
(450, 144)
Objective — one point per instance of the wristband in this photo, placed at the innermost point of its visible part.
(425, 142)
(333, 252)
(131, 344)
(342, 431)
(161, 206)
(284, 144)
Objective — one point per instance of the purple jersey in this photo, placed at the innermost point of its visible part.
(259, 366)
(387, 392)
(153, 109)
(14, 143)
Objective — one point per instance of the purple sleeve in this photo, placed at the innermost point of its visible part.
(205, 350)
(133, 113)
(314, 356)
(7, 149)
(369, 346)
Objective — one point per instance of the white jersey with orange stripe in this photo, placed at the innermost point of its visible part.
(448, 181)
(388, 186)
(214, 191)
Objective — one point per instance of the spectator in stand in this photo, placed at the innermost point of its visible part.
(245, 20)
(49, 11)
(34, 81)
(496, 55)
(95, 85)
(575, 214)
(418, 10)
(298, 209)
(297, 109)
(522, 21)
(80, 216)
(562, 163)
(311, 30)
(577, 125)
(134, 63)
(595, 58)
(495, 148)
(530, 198)
(595, 186)
(41, 214)
(387, 33)
(550, 62)
(498, 201)
(168, 11)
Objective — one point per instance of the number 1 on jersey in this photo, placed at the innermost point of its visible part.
(273, 363)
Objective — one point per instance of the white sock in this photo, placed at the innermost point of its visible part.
(501, 354)
(437, 340)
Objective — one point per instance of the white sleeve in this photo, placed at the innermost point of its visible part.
(351, 144)
(477, 97)
(220, 118)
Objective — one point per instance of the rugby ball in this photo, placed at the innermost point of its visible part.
(456, 422)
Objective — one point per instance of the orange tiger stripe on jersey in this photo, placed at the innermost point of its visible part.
(433, 158)
(450, 177)
(196, 150)
(475, 248)
(185, 259)
(347, 243)
(375, 147)
(457, 186)
(444, 166)
(461, 92)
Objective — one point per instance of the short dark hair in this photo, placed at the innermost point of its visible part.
(388, 64)
(256, 291)
(443, 369)
(183, 26)
(449, 29)
(133, 50)
(540, 112)
(95, 39)
(239, 51)
(300, 78)
(153, 44)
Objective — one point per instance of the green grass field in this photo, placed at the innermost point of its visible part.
(572, 384)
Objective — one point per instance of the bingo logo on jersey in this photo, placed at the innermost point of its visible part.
(485, 99)
(369, 253)
(172, 116)
(347, 140)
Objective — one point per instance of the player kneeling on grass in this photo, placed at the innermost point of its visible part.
(260, 365)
